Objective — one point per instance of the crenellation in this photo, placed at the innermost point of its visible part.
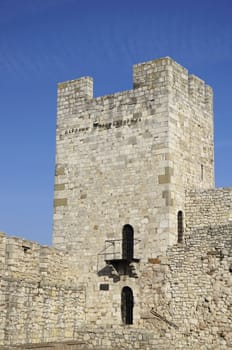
(142, 239)
(72, 95)
(152, 74)
(78, 88)
(200, 92)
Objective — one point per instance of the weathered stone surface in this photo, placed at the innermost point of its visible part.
(58, 202)
(136, 158)
(123, 151)
(59, 187)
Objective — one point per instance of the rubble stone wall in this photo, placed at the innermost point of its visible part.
(136, 157)
(40, 299)
(183, 301)
(208, 207)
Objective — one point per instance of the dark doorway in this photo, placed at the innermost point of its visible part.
(127, 242)
(127, 304)
(180, 226)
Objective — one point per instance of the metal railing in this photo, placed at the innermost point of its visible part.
(113, 249)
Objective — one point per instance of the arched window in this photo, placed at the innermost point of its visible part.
(127, 242)
(127, 304)
(180, 226)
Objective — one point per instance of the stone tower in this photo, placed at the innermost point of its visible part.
(142, 237)
(127, 158)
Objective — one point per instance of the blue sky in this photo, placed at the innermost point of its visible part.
(43, 42)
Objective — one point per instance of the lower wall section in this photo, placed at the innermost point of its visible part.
(181, 300)
(31, 313)
(123, 338)
(115, 339)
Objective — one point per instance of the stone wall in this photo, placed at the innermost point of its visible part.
(40, 299)
(127, 158)
(189, 290)
(108, 167)
(208, 207)
(103, 339)
(183, 302)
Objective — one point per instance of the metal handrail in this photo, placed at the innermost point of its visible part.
(112, 243)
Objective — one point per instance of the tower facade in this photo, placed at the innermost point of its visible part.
(142, 237)
(127, 159)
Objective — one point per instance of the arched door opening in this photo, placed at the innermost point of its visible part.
(127, 242)
(180, 226)
(127, 304)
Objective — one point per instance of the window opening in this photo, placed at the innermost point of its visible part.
(202, 172)
(127, 242)
(180, 226)
(127, 304)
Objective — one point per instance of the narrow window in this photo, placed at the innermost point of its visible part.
(127, 242)
(127, 304)
(202, 172)
(180, 226)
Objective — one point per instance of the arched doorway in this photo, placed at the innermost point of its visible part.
(127, 304)
(127, 242)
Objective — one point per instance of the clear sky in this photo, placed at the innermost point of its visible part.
(43, 42)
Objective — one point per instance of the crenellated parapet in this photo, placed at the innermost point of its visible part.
(141, 236)
(73, 93)
(143, 146)
(165, 74)
(161, 76)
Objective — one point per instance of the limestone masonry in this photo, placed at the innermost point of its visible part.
(141, 255)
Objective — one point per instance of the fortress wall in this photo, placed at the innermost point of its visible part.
(127, 158)
(191, 135)
(190, 139)
(19, 258)
(189, 291)
(200, 285)
(111, 167)
(208, 207)
(39, 299)
(27, 260)
(190, 131)
(190, 288)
